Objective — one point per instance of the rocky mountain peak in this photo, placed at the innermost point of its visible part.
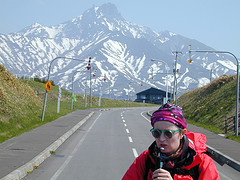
(107, 10)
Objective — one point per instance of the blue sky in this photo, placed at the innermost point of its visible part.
(213, 22)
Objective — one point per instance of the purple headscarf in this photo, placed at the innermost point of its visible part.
(171, 113)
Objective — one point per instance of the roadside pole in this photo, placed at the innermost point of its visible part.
(85, 95)
(45, 100)
(175, 71)
(59, 99)
(44, 105)
(48, 87)
(90, 81)
(100, 96)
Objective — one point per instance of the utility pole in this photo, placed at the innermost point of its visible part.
(100, 96)
(211, 75)
(90, 86)
(175, 71)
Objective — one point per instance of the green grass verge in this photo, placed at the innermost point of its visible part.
(209, 106)
(23, 113)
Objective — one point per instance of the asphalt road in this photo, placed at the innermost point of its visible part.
(104, 147)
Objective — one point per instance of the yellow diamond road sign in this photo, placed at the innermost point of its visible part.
(48, 86)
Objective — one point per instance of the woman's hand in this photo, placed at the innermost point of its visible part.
(162, 174)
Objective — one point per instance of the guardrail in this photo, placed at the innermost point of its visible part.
(230, 124)
(222, 159)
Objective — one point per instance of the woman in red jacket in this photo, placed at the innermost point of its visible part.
(175, 154)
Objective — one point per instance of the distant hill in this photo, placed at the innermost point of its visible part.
(211, 104)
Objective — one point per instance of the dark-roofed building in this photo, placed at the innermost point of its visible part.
(152, 95)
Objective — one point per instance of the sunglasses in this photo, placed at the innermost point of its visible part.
(167, 133)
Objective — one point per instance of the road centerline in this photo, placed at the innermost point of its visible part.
(130, 139)
(135, 152)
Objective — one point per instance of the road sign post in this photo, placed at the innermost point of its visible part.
(48, 86)
(44, 106)
(45, 100)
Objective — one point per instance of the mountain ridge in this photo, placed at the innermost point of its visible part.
(121, 51)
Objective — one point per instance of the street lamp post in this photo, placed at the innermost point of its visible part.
(109, 84)
(237, 91)
(100, 90)
(175, 71)
(100, 96)
(45, 99)
(167, 68)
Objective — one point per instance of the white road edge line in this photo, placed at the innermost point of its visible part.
(60, 170)
(144, 116)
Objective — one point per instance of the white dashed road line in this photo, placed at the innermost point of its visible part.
(135, 152)
(130, 139)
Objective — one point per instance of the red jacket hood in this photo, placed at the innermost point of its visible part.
(197, 141)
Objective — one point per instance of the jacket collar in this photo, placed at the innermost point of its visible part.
(188, 158)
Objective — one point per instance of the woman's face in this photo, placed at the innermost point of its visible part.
(170, 145)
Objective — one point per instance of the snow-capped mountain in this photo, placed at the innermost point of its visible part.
(121, 53)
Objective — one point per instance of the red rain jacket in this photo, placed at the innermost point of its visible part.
(207, 168)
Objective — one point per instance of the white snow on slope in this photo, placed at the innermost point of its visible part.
(228, 64)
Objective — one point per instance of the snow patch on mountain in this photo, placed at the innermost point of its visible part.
(187, 81)
(203, 81)
(120, 51)
(228, 64)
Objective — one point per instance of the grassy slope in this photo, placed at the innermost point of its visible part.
(21, 104)
(210, 105)
(18, 103)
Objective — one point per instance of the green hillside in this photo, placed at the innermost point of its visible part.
(21, 104)
(18, 103)
(210, 105)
